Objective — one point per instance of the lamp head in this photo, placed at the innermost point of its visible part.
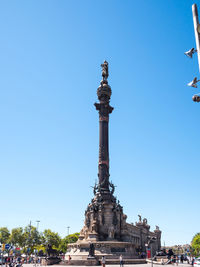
(196, 98)
(193, 83)
(190, 52)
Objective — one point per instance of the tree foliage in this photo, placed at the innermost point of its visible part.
(196, 244)
(29, 238)
(67, 240)
(17, 237)
(4, 234)
(51, 238)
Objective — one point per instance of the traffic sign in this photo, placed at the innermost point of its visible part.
(7, 246)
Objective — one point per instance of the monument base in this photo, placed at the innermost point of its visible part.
(109, 262)
(110, 249)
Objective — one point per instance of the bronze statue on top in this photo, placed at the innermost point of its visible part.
(105, 70)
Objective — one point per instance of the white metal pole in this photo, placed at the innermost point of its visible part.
(68, 230)
(196, 30)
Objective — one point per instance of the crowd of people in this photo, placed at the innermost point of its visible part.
(18, 261)
(13, 261)
(181, 259)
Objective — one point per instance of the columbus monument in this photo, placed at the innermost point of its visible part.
(105, 231)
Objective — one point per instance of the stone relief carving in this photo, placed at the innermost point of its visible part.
(111, 232)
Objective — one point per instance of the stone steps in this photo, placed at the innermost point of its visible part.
(97, 262)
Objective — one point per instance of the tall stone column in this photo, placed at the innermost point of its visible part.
(104, 93)
(104, 215)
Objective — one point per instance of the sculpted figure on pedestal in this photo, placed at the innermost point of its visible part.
(105, 70)
(91, 250)
(95, 189)
(94, 226)
(111, 232)
(82, 231)
(144, 221)
(112, 188)
(86, 233)
(140, 218)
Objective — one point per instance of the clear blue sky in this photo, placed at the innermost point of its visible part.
(50, 56)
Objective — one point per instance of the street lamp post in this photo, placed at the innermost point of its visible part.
(28, 242)
(151, 240)
(196, 30)
(68, 230)
(35, 250)
(37, 224)
(193, 83)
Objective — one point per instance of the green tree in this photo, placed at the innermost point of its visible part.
(51, 238)
(29, 238)
(67, 240)
(4, 235)
(196, 244)
(32, 238)
(17, 237)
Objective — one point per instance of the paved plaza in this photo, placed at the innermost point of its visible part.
(117, 265)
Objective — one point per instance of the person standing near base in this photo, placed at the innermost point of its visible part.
(121, 261)
(177, 260)
(69, 259)
(103, 261)
(192, 263)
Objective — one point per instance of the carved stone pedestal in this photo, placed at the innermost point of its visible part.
(110, 249)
